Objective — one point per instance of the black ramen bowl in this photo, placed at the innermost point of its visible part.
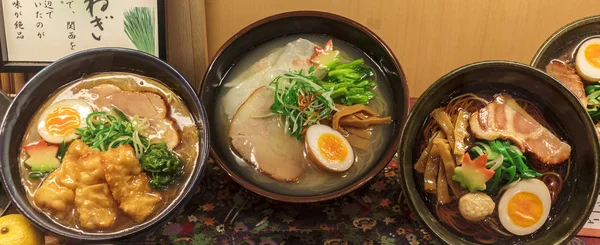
(569, 36)
(559, 107)
(63, 72)
(306, 22)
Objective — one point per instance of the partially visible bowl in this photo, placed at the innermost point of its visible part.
(4, 200)
(310, 23)
(63, 72)
(578, 196)
(568, 36)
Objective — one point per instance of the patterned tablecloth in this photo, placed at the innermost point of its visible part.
(223, 212)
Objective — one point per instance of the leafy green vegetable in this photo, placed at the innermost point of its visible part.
(162, 165)
(104, 131)
(301, 100)
(593, 107)
(350, 82)
(514, 164)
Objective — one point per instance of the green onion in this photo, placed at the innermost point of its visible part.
(290, 88)
(593, 107)
(104, 131)
(36, 175)
(62, 150)
(120, 114)
(139, 27)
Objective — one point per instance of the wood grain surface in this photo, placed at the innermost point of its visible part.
(429, 37)
(186, 38)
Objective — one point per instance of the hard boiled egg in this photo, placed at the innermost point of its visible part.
(587, 60)
(524, 208)
(58, 122)
(328, 149)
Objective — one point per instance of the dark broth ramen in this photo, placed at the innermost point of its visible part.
(555, 177)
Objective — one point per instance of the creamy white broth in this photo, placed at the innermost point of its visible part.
(314, 181)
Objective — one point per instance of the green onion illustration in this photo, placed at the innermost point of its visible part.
(139, 27)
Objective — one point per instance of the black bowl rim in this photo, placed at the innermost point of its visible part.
(568, 27)
(415, 201)
(389, 154)
(143, 227)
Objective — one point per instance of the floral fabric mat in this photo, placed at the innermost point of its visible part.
(223, 212)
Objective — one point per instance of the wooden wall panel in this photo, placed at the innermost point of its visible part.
(186, 38)
(430, 38)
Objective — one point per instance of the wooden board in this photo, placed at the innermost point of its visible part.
(430, 38)
(186, 38)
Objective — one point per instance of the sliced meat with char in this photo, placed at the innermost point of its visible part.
(569, 78)
(144, 104)
(262, 142)
(505, 119)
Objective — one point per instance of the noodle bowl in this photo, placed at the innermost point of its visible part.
(489, 230)
(492, 101)
(314, 181)
(270, 36)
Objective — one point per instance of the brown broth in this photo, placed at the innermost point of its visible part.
(187, 150)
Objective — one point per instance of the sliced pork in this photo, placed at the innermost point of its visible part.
(144, 104)
(263, 142)
(569, 78)
(505, 119)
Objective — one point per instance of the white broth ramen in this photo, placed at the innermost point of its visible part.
(244, 77)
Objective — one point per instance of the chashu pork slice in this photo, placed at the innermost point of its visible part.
(505, 119)
(263, 142)
(569, 78)
(141, 103)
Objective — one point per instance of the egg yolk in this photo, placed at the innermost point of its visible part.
(332, 147)
(525, 209)
(62, 121)
(592, 54)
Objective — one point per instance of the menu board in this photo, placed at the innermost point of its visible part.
(46, 30)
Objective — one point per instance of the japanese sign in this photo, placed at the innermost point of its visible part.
(46, 30)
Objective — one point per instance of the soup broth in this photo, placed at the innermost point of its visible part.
(314, 181)
(187, 148)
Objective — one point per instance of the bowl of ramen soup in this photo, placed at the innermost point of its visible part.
(499, 152)
(572, 56)
(103, 144)
(306, 106)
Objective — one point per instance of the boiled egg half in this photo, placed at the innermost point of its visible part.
(328, 149)
(524, 208)
(58, 122)
(587, 60)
